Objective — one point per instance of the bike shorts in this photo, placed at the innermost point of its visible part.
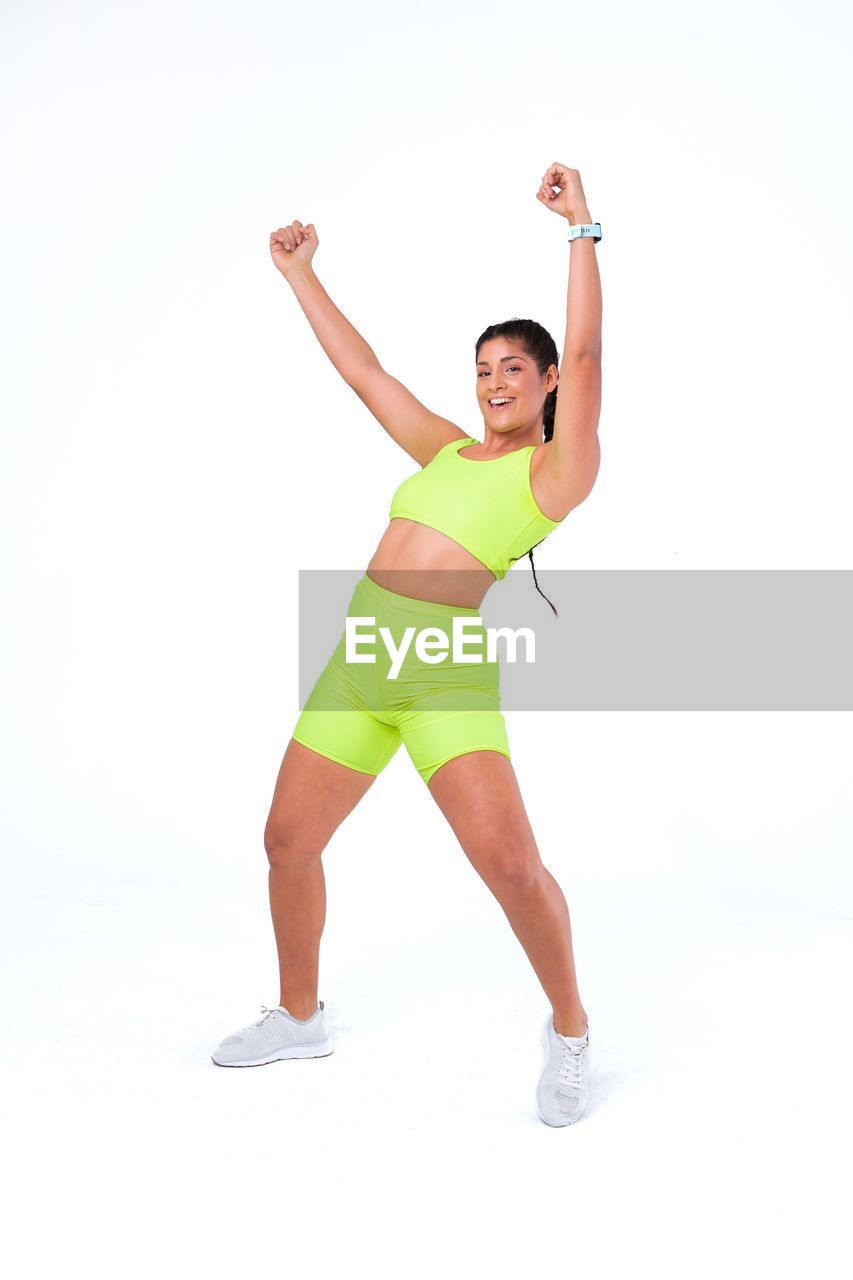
(358, 713)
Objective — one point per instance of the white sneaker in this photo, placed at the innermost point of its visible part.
(276, 1034)
(563, 1090)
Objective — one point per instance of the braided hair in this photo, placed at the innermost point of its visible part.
(541, 348)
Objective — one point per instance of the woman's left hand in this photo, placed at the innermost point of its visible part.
(569, 200)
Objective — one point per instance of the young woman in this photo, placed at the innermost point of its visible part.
(456, 526)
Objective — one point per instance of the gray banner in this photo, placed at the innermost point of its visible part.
(624, 640)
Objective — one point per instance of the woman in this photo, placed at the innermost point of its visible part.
(455, 527)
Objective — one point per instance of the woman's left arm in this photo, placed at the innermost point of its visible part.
(572, 462)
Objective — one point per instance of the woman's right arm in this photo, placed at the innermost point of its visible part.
(342, 343)
(419, 431)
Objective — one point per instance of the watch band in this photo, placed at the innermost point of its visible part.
(585, 229)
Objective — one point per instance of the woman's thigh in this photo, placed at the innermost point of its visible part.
(432, 738)
(313, 794)
(479, 795)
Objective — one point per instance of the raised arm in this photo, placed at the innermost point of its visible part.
(410, 424)
(570, 469)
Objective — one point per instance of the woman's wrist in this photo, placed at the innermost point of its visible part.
(579, 215)
(304, 271)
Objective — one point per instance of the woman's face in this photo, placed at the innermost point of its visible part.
(506, 373)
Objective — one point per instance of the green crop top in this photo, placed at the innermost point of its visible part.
(486, 505)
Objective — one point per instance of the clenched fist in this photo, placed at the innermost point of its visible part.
(293, 246)
(569, 200)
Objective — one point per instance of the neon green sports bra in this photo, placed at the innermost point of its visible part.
(485, 504)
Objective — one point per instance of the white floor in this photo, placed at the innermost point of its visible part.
(716, 1142)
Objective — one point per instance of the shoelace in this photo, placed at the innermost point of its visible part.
(266, 1013)
(569, 1066)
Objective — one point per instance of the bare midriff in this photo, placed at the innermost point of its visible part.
(415, 560)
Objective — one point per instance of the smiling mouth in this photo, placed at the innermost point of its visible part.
(504, 403)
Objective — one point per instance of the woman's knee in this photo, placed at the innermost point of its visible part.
(288, 846)
(511, 870)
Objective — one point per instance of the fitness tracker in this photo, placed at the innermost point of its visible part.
(585, 229)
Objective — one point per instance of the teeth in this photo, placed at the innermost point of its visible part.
(502, 400)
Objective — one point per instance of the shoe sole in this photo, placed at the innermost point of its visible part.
(546, 1045)
(320, 1050)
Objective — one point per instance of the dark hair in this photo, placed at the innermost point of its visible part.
(541, 348)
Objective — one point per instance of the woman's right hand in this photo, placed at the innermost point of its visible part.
(293, 246)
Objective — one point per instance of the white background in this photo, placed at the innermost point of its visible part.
(176, 446)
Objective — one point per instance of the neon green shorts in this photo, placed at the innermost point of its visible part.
(358, 713)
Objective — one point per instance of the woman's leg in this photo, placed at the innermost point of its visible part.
(478, 793)
(338, 747)
(313, 795)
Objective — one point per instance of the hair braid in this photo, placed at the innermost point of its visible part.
(542, 349)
